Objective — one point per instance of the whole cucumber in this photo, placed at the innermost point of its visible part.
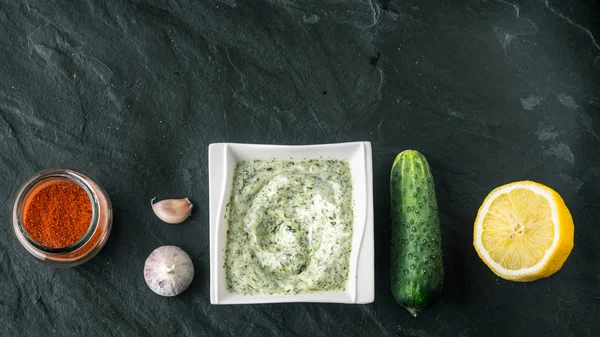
(417, 270)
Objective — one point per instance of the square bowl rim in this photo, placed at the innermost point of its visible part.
(363, 285)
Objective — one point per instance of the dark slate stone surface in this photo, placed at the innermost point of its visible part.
(134, 91)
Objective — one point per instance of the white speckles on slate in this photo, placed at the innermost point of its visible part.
(312, 18)
(503, 37)
(456, 114)
(589, 125)
(530, 102)
(545, 132)
(561, 151)
(567, 101)
(574, 182)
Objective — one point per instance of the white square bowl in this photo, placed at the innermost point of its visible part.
(222, 160)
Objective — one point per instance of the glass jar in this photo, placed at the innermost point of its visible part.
(94, 238)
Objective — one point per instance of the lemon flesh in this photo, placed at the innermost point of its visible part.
(523, 231)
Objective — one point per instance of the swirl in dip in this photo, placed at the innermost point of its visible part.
(290, 227)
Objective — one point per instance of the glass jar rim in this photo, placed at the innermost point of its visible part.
(73, 176)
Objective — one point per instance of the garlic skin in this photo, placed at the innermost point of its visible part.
(172, 211)
(168, 271)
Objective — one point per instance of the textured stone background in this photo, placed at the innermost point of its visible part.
(134, 91)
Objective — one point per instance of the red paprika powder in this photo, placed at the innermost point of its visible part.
(58, 214)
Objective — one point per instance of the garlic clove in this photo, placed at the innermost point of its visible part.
(168, 271)
(172, 211)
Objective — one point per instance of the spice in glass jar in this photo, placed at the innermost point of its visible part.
(61, 217)
(58, 215)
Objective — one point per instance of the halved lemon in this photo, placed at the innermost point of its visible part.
(523, 231)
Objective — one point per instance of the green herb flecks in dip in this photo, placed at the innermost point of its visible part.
(290, 227)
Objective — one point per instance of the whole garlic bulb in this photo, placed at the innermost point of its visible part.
(168, 271)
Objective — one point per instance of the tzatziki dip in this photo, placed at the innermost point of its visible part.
(290, 227)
